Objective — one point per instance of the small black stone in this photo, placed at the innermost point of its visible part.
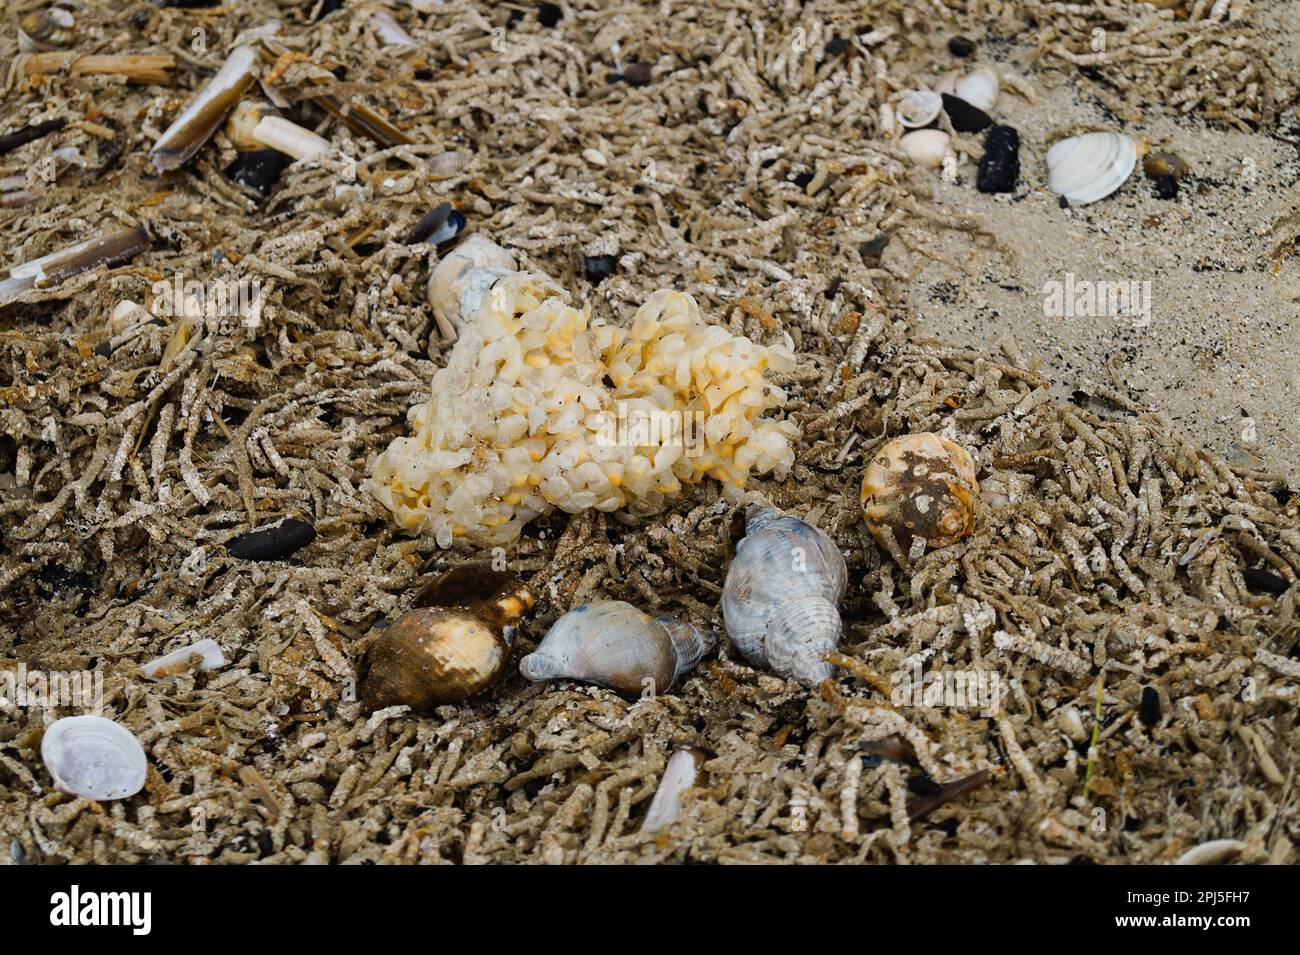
(273, 542)
(548, 14)
(873, 249)
(836, 45)
(1166, 187)
(259, 170)
(1149, 708)
(961, 46)
(104, 348)
(638, 74)
(802, 179)
(965, 117)
(1267, 581)
(599, 267)
(1063, 202)
(999, 168)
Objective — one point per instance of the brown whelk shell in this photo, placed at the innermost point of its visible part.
(920, 486)
(452, 645)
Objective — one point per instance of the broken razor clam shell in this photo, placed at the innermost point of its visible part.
(255, 125)
(1083, 169)
(463, 277)
(200, 119)
(918, 108)
(679, 776)
(178, 661)
(94, 757)
(108, 249)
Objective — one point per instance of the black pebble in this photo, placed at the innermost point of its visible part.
(961, 46)
(599, 267)
(638, 74)
(273, 542)
(1264, 580)
(104, 348)
(802, 179)
(1166, 187)
(548, 14)
(999, 168)
(259, 170)
(965, 117)
(836, 45)
(1149, 708)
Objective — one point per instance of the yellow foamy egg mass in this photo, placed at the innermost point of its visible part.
(539, 407)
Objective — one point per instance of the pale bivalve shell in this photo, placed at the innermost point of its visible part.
(94, 757)
(918, 108)
(978, 87)
(178, 661)
(926, 147)
(1083, 169)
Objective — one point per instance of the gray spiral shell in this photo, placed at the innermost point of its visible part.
(613, 644)
(781, 598)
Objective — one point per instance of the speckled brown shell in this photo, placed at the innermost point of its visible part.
(452, 646)
(920, 485)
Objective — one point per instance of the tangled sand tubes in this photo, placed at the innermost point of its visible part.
(541, 407)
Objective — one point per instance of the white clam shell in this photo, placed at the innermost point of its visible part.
(918, 108)
(679, 776)
(461, 279)
(1086, 168)
(94, 757)
(979, 87)
(926, 147)
(781, 598)
(168, 665)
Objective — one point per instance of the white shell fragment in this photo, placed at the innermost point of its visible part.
(463, 276)
(926, 147)
(1083, 169)
(918, 108)
(979, 87)
(168, 665)
(94, 757)
(679, 776)
(1215, 852)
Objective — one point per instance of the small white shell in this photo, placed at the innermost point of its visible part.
(947, 83)
(93, 757)
(918, 108)
(461, 280)
(926, 147)
(1086, 168)
(679, 776)
(781, 597)
(979, 87)
(170, 664)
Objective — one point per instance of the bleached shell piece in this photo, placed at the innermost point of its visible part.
(926, 147)
(780, 601)
(679, 776)
(613, 644)
(462, 278)
(170, 664)
(94, 757)
(1083, 169)
(918, 108)
(979, 87)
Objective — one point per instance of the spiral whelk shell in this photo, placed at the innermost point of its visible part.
(453, 645)
(94, 757)
(781, 597)
(51, 28)
(920, 486)
(615, 645)
(1083, 169)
